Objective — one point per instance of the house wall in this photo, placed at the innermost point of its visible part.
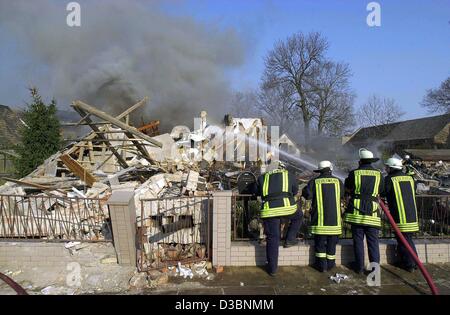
(443, 138)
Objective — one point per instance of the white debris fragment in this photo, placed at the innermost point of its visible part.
(200, 268)
(242, 284)
(338, 277)
(184, 272)
(51, 290)
(71, 244)
(322, 289)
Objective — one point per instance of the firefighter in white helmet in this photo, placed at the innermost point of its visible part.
(399, 191)
(363, 186)
(326, 192)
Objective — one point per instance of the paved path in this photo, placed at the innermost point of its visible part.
(306, 280)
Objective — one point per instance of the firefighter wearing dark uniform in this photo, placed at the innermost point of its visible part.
(326, 192)
(409, 165)
(277, 189)
(363, 185)
(400, 194)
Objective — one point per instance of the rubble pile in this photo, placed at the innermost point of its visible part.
(183, 165)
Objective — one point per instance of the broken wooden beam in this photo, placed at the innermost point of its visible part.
(120, 159)
(78, 170)
(34, 185)
(116, 122)
(132, 108)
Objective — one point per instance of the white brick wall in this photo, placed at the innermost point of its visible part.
(253, 254)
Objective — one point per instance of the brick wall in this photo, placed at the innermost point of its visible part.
(52, 255)
(253, 254)
(227, 253)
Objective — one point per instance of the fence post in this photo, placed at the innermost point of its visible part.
(123, 219)
(221, 255)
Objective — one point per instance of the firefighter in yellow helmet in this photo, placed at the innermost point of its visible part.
(326, 192)
(363, 186)
(400, 194)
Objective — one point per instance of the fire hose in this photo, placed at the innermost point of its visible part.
(19, 290)
(405, 243)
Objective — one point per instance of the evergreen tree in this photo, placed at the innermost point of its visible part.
(40, 135)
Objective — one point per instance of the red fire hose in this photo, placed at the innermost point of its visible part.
(425, 273)
(19, 290)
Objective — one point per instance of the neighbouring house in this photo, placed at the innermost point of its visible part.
(9, 136)
(287, 145)
(427, 155)
(430, 133)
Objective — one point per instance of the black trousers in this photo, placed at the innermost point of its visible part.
(325, 251)
(404, 256)
(272, 229)
(371, 233)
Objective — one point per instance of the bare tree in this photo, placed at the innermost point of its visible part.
(379, 111)
(292, 65)
(275, 105)
(438, 100)
(333, 99)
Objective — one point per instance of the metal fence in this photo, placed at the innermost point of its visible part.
(172, 230)
(53, 218)
(433, 213)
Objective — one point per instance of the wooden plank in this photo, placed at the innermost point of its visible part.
(132, 108)
(121, 161)
(91, 152)
(116, 122)
(78, 170)
(34, 185)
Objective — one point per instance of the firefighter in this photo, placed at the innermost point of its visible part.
(400, 194)
(277, 189)
(362, 186)
(326, 192)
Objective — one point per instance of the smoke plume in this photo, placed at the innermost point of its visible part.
(123, 51)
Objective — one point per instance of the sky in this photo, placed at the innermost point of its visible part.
(408, 54)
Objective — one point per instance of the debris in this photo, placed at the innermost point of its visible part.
(184, 272)
(78, 170)
(241, 284)
(338, 277)
(109, 260)
(323, 290)
(139, 281)
(51, 290)
(71, 244)
(200, 269)
(218, 269)
(157, 277)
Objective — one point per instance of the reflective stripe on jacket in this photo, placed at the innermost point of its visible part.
(277, 190)
(365, 184)
(401, 196)
(326, 192)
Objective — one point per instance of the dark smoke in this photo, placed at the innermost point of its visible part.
(123, 51)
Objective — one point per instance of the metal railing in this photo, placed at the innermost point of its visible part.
(433, 213)
(172, 230)
(53, 218)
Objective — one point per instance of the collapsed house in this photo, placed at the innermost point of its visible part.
(180, 168)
